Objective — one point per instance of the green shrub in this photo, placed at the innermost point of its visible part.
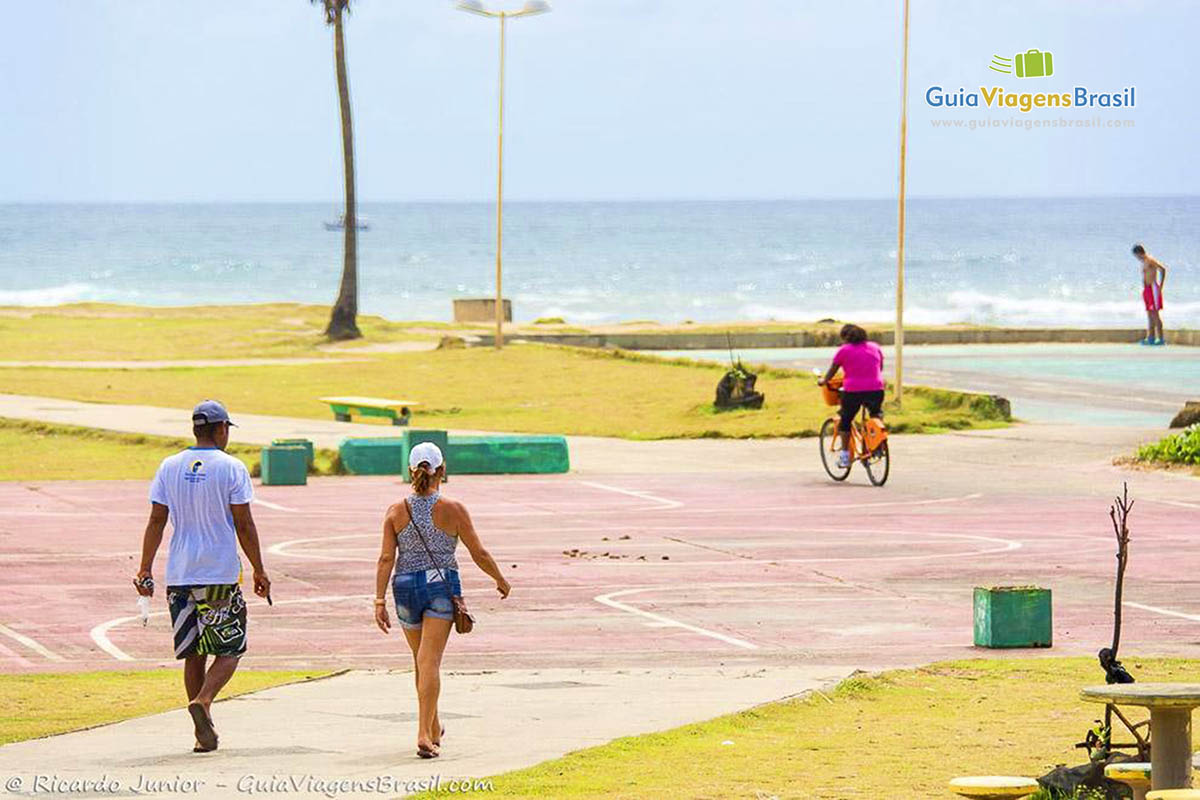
(1178, 448)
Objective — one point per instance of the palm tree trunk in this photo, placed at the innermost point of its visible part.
(343, 321)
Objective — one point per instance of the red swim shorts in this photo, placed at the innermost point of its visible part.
(1152, 296)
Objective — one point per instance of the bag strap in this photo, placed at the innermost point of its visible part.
(413, 520)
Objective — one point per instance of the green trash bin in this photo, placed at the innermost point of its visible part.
(284, 466)
(1013, 616)
(305, 443)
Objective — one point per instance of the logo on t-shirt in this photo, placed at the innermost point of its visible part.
(195, 472)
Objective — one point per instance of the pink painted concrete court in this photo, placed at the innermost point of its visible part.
(619, 571)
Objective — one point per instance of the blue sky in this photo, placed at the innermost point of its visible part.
(148, 101)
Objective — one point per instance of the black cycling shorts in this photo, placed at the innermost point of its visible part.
(853, 401)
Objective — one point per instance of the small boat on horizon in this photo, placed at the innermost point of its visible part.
(361, 224)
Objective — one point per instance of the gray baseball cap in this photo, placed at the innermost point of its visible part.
(208, 412)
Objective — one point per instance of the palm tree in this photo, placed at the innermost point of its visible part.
(343, 320)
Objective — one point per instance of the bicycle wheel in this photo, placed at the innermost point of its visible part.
(829, 436)
(878, 465)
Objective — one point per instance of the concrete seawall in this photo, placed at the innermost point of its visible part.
(746, 340)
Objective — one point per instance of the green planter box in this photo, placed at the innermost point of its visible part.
(412, 438)
(383, 456)
(507, 455)
(386, 455)
(465, 455)
(284, 466)
(305, 443)
(1013, 616)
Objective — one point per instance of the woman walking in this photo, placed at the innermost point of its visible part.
(420, 535)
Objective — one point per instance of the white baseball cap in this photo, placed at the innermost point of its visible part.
(428, 453)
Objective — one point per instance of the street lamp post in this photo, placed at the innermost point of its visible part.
(530, 8)
(899, 338)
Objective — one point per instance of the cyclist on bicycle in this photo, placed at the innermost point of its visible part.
(861, 362)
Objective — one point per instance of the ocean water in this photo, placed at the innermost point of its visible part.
(990, 261)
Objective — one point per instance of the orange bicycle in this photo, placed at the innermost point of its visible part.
(868, 441)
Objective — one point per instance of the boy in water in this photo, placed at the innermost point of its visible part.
(1154, 275)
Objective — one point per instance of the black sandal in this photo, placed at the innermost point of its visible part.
(426, 752)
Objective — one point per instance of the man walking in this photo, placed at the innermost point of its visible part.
(1154, 275)
(206, 494)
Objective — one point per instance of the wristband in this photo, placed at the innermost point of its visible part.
(380, 601)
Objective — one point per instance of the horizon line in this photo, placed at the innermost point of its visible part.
(584, 200)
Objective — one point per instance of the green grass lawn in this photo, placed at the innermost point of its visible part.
(102, 332)
(523, 388)
(898, 736)
(67, 452)
(109, 332)
(52, 703)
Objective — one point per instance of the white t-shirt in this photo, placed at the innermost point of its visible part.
(197, 486)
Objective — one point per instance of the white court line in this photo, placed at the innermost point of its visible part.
(1179, 503)
(663, 503)
(282, 549)
(274, 506)
(881, 504)
(32, 644)
(1006, 546)
(581, 509)
(1164, 611)
(99, 633)
(666, 622)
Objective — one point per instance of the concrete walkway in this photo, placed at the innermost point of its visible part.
(176, 422)
(1018, 453)
(203, 363)
(360, 726)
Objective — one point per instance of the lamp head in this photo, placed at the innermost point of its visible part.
(535, 7)
(473, 7)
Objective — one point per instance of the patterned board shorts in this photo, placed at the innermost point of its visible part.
(208, 620)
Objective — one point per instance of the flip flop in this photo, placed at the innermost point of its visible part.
(441, 736)
(426, 752)
(206, 734)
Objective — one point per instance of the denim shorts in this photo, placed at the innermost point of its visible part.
(424, 594)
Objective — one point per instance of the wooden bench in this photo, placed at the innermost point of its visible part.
(344, 408)
(993, 787)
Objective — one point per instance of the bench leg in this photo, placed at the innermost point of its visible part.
(341, 417)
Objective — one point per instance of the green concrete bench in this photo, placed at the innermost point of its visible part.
(1134, 774)
(993, 787)
(398, 411)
